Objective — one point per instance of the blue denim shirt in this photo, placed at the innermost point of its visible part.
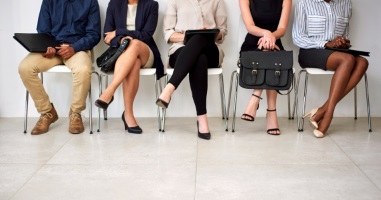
(76, 22)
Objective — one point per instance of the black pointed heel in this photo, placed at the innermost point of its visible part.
(135, 129)
(162, 103)
(101, 104)
(205, 136)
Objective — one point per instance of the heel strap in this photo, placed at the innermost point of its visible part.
(271, 110)
(257, 96)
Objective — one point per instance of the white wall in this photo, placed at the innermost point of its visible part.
(21, 16)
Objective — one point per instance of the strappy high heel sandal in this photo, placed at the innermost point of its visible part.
(312, 113)
(271, 130)
(248, 117)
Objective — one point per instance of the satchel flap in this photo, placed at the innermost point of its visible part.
(277, 60)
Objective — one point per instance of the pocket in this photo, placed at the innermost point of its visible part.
(277, 78)
(316, 25)
(252, 76)
(341, 25)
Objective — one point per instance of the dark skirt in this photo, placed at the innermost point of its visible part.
(314, 58)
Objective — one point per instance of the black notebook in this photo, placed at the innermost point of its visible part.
(35, 42)
(211, 34)
(351, 51)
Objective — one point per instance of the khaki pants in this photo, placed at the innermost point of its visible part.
(80, 66)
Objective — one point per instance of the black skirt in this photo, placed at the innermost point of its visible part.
(314, 58)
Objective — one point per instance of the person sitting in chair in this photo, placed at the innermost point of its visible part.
(75, 24)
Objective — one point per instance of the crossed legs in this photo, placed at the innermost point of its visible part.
(348, 72)
(126, 72)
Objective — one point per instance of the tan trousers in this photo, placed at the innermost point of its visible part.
(81, 67)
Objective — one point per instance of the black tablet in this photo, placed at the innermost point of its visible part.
(211, 34)
(35, 42)
(351, 51)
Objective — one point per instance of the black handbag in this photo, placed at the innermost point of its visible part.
(270, 70)
(108, 59)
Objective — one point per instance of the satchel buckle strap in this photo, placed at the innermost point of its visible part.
(254, 72)
(277, 73)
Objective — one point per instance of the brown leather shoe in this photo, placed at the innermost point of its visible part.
(76, 124)
(42, 126)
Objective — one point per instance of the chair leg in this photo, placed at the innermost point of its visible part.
(100, 92)
(235, 101)
(296, 98)
(90, 112)
(230, 93)
(106, 85)
(223, 101)
(368, 103)
(301, 120)
(158, 108)
(26, 112)
(355, 97)
(164, 110)
(289, 98)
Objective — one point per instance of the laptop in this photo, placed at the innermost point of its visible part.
(211, 34)
(35, 42)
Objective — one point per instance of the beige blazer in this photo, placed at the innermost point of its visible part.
(182, 15)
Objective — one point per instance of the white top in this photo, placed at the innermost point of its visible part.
(131, 15)
(317, 22)
(182, 15)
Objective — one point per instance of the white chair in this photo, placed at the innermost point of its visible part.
(211, 72)
(64, 69)
(235, 74)
(320, 72)
(143, 72)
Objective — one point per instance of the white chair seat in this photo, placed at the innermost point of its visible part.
(148, 72)
(211, 71)
(59, 68)
(315, 71)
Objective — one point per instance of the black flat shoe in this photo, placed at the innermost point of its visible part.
(162, 103)
(135, 129)
(205, 136)
(101, 104)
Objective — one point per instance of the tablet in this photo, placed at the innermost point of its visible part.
(211, 34)
(351, 51)
(35, 42)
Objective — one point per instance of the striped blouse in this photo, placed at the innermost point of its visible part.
(317, 22)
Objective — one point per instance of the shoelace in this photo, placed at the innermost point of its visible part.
(44, 116)
(76, 115)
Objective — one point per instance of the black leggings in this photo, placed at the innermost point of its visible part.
(195, 58)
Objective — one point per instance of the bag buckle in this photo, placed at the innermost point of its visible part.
(277, 73)
(254, 72)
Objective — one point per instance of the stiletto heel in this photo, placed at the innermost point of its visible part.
(135, 129)
(205, 136)
(272, 129)
(312, 113)
(101, 104)
(248, 117)
(318, 134)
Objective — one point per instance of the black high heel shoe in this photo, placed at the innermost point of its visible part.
(205, 136)
(135, 129)
(101, 104)
(162, 103)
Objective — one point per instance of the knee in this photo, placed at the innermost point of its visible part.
(26, 70)
(348, 61)
(83, 72)
(362, 63)
(135, 45)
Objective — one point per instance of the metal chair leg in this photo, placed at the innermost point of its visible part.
(235, 102)
(301, 124)
(164, 110)
(158, 108)
(230, 92)
(26, 111)
(367, 102)
(223, 102)
(355, 107)
(91, 111)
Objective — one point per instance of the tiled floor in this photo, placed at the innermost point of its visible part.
(247, 164)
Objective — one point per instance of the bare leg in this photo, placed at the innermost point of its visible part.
(130, 87)
(360, 67)
(252, 106)
(271, 117)
(124, 64)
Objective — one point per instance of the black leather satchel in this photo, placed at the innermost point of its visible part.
(108, 59)
(270, 70)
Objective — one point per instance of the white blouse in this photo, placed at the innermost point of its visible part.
(131, 16)
(182, 15)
